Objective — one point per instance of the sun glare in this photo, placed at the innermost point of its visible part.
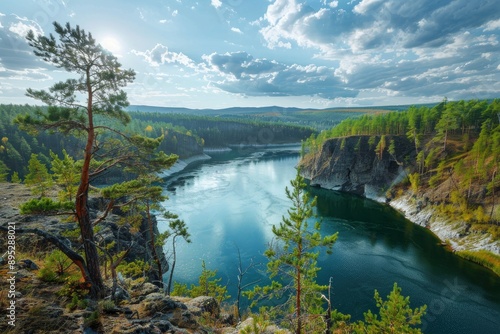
(111, 44)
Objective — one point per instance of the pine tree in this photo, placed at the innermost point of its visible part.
(208, 285)
(449, 121)
(142, 196)
(15, 178)
(177, 228)
(4, 171)
(395, 315)
(38, 177)
(293, 258)
(72, 109)
(66, 174)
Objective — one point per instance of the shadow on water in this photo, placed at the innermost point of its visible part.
(403, 252)
(381, 223)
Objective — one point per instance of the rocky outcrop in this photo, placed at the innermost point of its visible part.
(112, 230)
(352, 164)
(455, 233)
(180, 164)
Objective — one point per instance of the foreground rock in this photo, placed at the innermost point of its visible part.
(41, 308)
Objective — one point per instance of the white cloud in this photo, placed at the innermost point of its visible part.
(240, 73)
(404, 25)
(216, 3)
(492, 25)
(366, 6)
(160, 55)
(236, 30)
(333, 4)
(21, 29)
(31, 75)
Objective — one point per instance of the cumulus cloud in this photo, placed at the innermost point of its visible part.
(240, 73)
(375, 24)
(332, 4)
(20, 28)
(492, 25)
(17, 57)
(160, 55)
(216, 3)
(462, 66)
(37, 74)
(405, 47)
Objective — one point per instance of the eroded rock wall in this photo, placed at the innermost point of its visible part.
(353, 164)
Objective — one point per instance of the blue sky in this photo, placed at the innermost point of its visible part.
(310, 54)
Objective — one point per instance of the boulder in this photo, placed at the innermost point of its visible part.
(28, 264)
(204, 304)
(158, 302)
(146, 289)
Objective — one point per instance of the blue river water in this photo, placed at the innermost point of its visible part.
(230, 203)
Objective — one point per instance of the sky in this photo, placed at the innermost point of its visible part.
(251, 53)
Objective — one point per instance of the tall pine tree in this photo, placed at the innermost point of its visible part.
(73, 108)
(293, 258)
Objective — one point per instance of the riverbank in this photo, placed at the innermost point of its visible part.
(481, 248)
(453, 233)
(183, 163)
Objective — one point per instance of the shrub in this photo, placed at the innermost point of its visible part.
(484, 258)
(77, 302)
(208, 285)
(44, 205)
(134, 269)
(55, 267)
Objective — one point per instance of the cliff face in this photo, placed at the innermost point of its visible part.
(353, 164)
(110, 229)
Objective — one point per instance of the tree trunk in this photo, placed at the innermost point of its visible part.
(153, 246)
(493, 193)
(299, 322)
(82, 210)
(91, 254)
(170, 278)
(445, 139)
(299, 290)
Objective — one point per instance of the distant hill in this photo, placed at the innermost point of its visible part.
(213, 112)
(265, 110)
(320, 119)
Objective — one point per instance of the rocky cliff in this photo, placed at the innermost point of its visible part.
(110, 230)
(355, 165)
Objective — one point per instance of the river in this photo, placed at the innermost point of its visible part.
(230, 203)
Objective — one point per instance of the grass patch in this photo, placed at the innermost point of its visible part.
(484, 258)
